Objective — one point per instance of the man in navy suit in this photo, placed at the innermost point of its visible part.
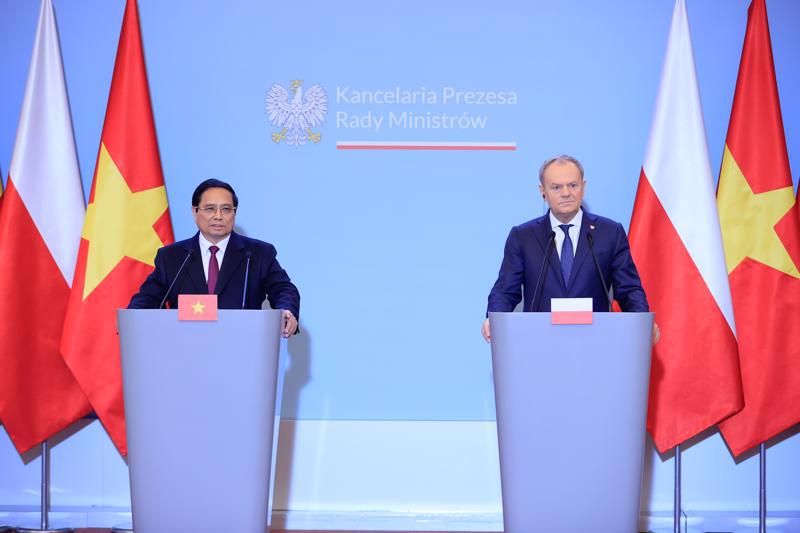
(215, 261)
(566, 237)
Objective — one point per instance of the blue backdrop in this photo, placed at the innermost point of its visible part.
(394, 252)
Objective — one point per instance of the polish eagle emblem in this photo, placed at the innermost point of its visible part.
(298, 114)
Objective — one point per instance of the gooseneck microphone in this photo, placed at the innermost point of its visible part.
(161, 305)
(550, 240)
(248, 254)
(590, 239)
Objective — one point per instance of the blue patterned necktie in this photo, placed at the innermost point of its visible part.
(567, 253)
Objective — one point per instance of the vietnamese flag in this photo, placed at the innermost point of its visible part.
(127, 220)
(676, 243)
(198, 307)
(40, 228)
(761, 233)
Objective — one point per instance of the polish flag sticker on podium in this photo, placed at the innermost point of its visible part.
(571, 310)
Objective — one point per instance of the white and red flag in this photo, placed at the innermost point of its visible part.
(676, 243)
(40, 228)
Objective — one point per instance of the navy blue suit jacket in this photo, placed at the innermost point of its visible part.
(265, 278)
(524, 253)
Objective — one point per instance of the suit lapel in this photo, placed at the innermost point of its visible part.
(582, 246)
(196, 271)
(234, 254)
(543, 231)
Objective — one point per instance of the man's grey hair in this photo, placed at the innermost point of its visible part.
(561, 158)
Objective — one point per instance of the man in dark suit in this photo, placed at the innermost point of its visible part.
(215, 260)
(566, 236)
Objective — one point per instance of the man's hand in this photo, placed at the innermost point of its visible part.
(485, 331)
(289, 324)
(656, 333)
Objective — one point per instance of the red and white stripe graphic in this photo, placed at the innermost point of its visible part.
(425, 145)
(677, 246)
(40, 228)
(571, 311)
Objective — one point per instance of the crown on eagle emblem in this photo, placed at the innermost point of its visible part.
(296, 116)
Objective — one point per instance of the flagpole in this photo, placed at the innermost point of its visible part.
(762, 488)
(45, 519)
(677, 503)
(45, 503)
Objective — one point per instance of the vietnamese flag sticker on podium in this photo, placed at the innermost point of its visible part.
(571, 310)
(197, 307)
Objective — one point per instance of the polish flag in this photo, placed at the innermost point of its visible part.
(40, 231)
(571, 310)
(676, 243)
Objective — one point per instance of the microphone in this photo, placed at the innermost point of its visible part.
(161, 305)
(550, 240)
(248, 254)
(590, 238)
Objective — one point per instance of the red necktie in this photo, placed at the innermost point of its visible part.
(213, 269)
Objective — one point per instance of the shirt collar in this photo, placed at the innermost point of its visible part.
(205, 244)
(576, 220)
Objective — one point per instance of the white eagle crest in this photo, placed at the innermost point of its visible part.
(298, 116)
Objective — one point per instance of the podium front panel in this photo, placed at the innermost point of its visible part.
(571, 409)
(200, 407)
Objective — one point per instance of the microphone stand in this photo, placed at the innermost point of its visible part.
(169, 289)
(539, 282)
(248, 254)
(590, 239)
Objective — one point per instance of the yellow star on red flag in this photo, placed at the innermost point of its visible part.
(761, 234)
(119, 223)
(749, 220)
(126, 222)
(198, 307)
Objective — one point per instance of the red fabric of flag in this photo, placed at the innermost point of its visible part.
(127, 220)
(40, 227)
(761, 232)
(676, 243)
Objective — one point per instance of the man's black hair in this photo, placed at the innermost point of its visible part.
(211, 184)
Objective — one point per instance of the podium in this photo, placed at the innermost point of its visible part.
(571, 409)
(200, 408)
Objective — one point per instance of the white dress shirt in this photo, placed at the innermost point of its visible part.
(574, 231)
(205, 253)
